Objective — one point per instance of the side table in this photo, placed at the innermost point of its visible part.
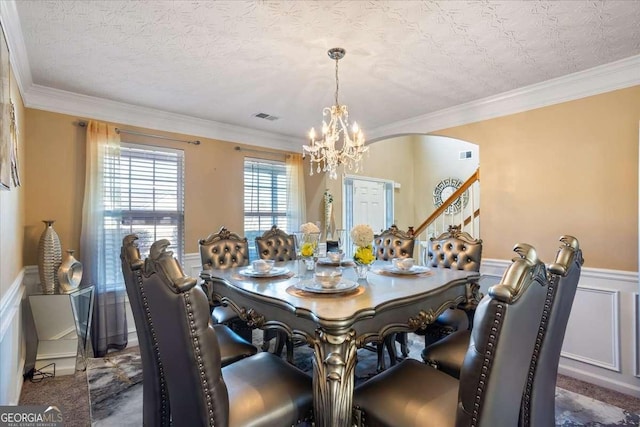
(63, 325)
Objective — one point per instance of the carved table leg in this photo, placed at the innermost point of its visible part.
(333, 378)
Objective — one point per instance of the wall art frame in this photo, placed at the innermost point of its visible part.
(6, 140)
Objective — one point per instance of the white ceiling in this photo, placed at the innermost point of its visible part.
(224, 61)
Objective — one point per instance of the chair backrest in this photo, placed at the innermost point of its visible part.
(187, 341)
(538, 403)
(277, 245)
(455, 249)
(393, 243)
(155, 400)
(224, 249)
(495, 368)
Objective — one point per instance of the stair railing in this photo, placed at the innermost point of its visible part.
(467, 217)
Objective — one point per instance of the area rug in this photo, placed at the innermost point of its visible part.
(115, 391)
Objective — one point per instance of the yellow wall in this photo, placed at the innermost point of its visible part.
(570, 168)
(12, 205)
(55, 149)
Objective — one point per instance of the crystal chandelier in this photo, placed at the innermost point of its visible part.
(337, 145)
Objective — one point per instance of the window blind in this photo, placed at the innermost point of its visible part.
(143, 194)
(265, 198)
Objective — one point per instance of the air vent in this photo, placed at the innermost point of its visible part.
(266, 116)
(464, 155)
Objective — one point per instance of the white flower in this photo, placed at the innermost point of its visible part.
(309, 227)
(362, 235)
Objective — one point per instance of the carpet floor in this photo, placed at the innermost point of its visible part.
(116, 391)
(112, 389)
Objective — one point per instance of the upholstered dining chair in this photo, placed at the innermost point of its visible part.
(393, 243)
(538, 402)
(456, 250)
(262, 390)
(275, 244)
(494, 371)
(220, 250)
(447, 354)
(155, 394)
(389, 244)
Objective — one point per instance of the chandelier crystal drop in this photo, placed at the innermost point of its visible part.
(338, 145)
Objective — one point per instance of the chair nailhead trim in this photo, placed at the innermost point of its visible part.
(165, 418)
(198, 352)
(542, 332)
(486, 367)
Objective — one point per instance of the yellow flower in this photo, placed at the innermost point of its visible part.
(307, 249)
(364, 255)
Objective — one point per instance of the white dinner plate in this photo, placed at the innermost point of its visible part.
(416, 269)
(310, 285)
(275, 271)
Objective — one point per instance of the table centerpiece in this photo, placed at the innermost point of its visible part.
(362, 236)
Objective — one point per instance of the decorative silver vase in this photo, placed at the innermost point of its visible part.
(69, 273)
(49, 258)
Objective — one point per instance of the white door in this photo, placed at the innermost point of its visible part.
(369, 205)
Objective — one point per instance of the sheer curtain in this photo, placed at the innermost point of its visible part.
(109, 327)
(296, 199)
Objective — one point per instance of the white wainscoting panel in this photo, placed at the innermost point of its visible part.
(192, 265)
(12, 348)
(636, 332)
(595, 314)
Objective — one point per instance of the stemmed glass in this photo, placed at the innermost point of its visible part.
(341, 236)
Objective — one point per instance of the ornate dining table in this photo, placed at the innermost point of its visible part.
(336, 322)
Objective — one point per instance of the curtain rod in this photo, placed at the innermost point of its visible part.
(254, 150)
(132, 132)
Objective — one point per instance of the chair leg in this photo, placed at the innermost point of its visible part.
(380, 351)
(289, 345)
(390, 344)
(402, 339)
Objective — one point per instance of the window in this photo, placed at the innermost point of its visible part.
(143, 194)
(265, 198)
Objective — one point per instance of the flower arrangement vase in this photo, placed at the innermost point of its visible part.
(49, 258)
(361, 270)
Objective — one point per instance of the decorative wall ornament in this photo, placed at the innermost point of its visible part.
(49, 258)
(444, 190)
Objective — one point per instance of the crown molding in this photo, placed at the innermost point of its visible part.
(17, 48)
(604, 78)
(60, 101)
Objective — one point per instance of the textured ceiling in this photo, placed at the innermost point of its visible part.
(227, 60)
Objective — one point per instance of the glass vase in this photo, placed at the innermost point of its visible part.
(361, 270)
(309, 263)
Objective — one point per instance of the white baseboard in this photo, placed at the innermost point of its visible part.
(602, 381)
